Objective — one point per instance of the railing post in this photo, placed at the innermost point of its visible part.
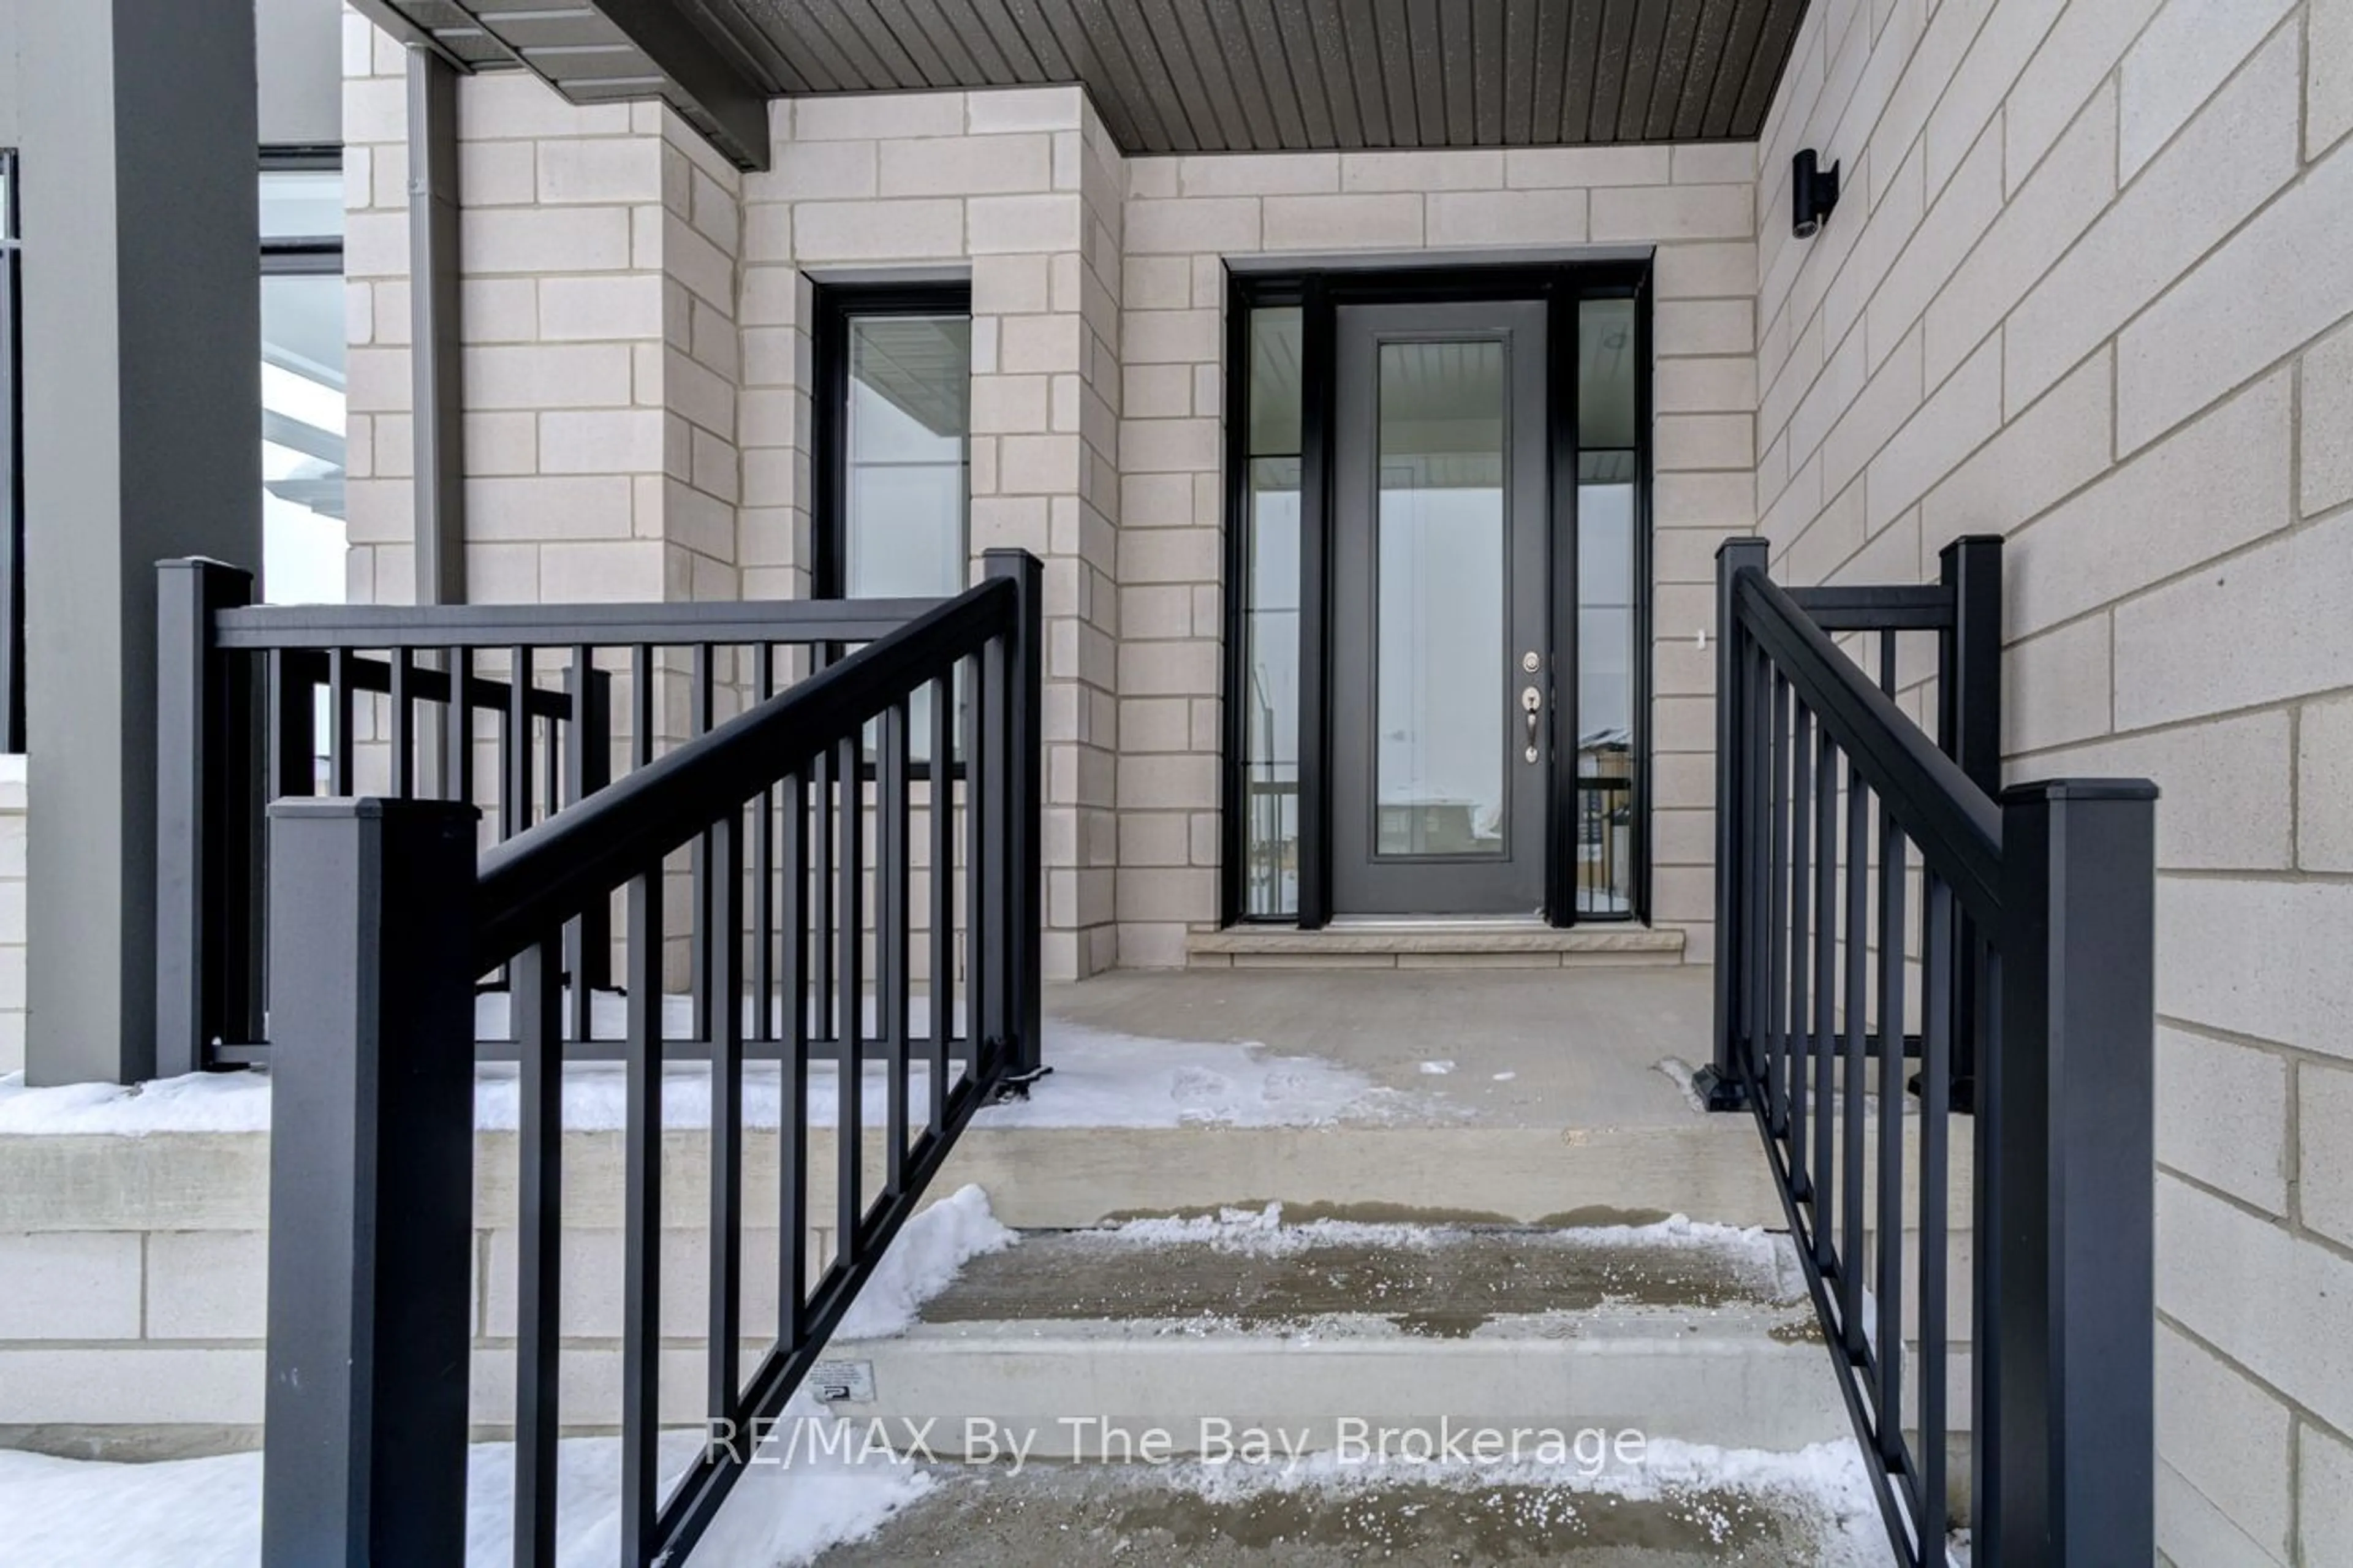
(371, 1180)
(2065, 1184)
(1968, 731)
(207, 866)
(1720, 1083)
(1021, 995)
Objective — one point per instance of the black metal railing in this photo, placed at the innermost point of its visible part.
(1868, 879)
(383, 914)
(263, 703)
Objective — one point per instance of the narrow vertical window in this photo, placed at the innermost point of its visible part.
(302, 332)
(905, 456)
(1270, 694)
(894, 431)
(12, 470)
(1608, 471)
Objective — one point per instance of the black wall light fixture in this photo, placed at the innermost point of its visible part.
(1813, 192)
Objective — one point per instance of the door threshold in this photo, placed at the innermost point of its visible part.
(1439, 922)
(1434, 944)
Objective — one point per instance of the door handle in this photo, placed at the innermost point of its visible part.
(1532, 704)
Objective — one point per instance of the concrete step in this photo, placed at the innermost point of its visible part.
(1152, 1517)
(1434, 944)
(1337, 1330)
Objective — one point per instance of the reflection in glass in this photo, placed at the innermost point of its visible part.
(302, 544)
(904, 501)
(1270, 696)
(301, 203)
(1439, 762)
(905, 457)
(1606, 646)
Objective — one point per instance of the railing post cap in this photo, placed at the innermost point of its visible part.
(2034, 790)
(1742, 544)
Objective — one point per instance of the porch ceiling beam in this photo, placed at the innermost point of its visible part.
(599, 52)
(727, 106)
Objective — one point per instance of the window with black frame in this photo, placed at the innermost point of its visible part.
(1290, 714)
(302, 375)
(12, 471)
(1608, 471)
(893, 421)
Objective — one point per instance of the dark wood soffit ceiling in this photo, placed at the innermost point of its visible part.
(1168, 75)
(1205, 75)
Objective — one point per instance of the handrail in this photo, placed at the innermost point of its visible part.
(548, 874)
(481, 625)
(420, 701)
(1864, 877)
(832, 905)
(1953, 821)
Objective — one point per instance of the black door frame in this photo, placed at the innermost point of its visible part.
(1318, 293)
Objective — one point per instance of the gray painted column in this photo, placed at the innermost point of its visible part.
(143, 438)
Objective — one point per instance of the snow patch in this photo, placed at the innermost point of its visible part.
(1437, 1070)
(1106, 1080)
(196, 1513)
(1260, 1233)
(207, 1513)
(924, 1260)
(198, 1102)
(1825, 1486)
(1761, 1257)
(1100, 1079)
(1682, 1074)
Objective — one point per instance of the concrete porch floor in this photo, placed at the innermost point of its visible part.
(1581, 1047)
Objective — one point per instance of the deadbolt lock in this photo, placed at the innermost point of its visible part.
(1531, 662)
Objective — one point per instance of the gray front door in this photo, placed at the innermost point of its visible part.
(1441, 687)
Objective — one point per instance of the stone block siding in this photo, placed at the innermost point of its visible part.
(2074, 294)
(136, 1330)
(1021, 191)
(637, 384)
(1185, 218)
(15, 821)
(600, 355)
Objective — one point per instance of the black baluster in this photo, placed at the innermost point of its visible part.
(1889, 1393)
(892, 947)
(1935, 1084)
(726, 938)
(539, 1271)
(641, 1223)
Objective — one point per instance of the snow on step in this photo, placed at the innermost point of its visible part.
(1679, 1330)
(1687, 1506)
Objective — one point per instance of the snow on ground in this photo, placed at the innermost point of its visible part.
(1682, 1075)
(923, 1261)
(195, 1513)
(1100, 1079)
(1761, 1256)
(199, 1513)
(1825, 1485)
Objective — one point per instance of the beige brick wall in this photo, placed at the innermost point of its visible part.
(1185, 216)
(14, 824)
(2085, 289)
(136, 1330)
(600, 354)
(1019, 190)
(637, 397)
